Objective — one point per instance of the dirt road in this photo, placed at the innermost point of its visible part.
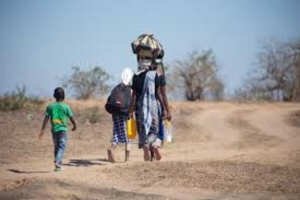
(220, 151)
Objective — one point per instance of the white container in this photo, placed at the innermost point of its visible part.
(168, 131)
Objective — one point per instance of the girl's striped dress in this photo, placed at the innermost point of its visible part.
(119, 129)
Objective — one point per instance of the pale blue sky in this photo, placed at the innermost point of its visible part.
(41, 39)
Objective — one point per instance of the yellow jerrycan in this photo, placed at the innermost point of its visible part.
(131, 128)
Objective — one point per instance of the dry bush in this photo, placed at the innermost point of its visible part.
(17, 100)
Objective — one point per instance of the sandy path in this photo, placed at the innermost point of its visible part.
(218, 149)
(210, 137)
(276, 124)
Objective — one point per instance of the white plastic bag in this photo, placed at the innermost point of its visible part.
(168, 131)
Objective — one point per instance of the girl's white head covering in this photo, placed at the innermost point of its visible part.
(126, 76)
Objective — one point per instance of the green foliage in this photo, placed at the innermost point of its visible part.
(87, 84)
(17, 100)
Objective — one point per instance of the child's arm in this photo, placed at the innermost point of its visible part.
(46, 119)
(74, 123)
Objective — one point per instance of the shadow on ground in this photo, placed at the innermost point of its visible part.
(85, 162)
(27, 172)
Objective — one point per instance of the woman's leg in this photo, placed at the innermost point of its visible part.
(156, 153)
(146, 152)
(142, 136)
(151, 154)
(155, 148)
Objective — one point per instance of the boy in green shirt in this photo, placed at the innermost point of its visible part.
(58, 112)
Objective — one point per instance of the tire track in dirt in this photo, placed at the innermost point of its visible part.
(250, 135)
(213, 122)
(268, 129)
(186, 129)
(253, 132)
(209, 135)
(273, 120)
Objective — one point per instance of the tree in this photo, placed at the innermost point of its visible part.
(276, 74)
(197, 77)
(295, 57)
(87, 83)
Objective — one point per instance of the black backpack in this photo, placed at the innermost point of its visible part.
(119, 100)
